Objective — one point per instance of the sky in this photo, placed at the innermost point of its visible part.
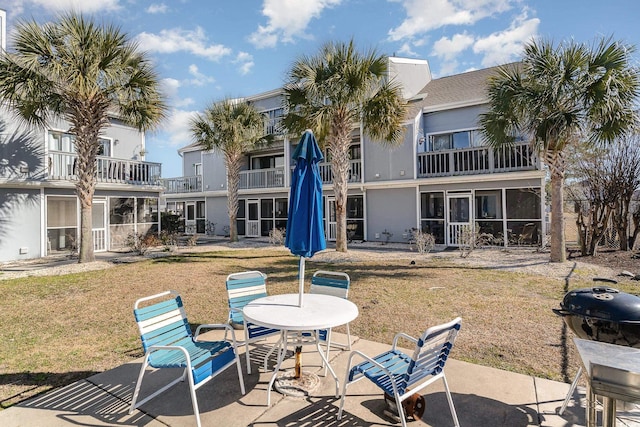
(208, 50)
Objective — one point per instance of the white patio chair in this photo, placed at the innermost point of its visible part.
(242, 288)
(168, 343)
(394, 371)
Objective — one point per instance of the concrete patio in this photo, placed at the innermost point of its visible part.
(484, 397)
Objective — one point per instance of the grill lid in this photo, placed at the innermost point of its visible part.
(602, 303)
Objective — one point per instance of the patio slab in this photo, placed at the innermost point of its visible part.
(484, 397)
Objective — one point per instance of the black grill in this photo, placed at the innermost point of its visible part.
(602, 314)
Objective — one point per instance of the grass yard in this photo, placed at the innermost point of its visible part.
(58, 329)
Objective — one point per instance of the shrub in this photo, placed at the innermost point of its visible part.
(425, 242)
(140, 243)
(276, 236)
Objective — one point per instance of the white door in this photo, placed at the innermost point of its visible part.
(99, 225)
(190, 218)
(331, 219)
(253, 220)
(458, 218)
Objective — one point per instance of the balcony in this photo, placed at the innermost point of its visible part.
(262, 178)
(355, 172)
(62, 166)
(183, 184)
(477, 160)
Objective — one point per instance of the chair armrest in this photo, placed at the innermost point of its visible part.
(368, 359)
(405, 336)
(216, 326)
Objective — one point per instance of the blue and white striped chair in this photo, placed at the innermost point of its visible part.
(336, 284)
(168, 343)
(242, 288)
(394, 371)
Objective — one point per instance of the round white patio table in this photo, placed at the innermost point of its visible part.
(282, 312)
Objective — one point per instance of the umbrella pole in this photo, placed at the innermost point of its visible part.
(301, 284)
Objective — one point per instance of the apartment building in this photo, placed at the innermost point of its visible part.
(442, 179)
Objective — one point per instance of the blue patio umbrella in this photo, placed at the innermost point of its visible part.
(305, 231)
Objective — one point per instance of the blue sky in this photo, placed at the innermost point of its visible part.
(206, 50)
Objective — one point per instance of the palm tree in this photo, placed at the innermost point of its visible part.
(561, 96)
(335, 91)
(84, 73)
(230, 127)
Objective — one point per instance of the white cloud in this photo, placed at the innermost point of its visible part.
(246, 62)
(177, 40)
(287, 19)
(506, 46)
(157, 8)
(88, 6)
(177, 126)
(405, 49)
(199, 79)
(170, 86)
(426, 15)
(449, 48)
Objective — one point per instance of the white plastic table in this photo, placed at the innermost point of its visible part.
(282, 312)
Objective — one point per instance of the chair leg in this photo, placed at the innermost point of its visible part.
(570, 392)
(328, 351)
(246, 348)
(240, 377)
(136, 391)
(194, 399)
(401, 410)
(456, 423)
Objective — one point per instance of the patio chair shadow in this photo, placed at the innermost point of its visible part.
(82, 401)
(222, 391)
(320, 412)
(35, 383)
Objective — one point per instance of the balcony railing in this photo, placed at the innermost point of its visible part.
(183, 184)
(477, 160)
(355, 172)
(262, 178)
(63, 166)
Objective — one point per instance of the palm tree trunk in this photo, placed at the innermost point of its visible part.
(558, 244)
(85, 188)
(233, 181)
(339, 151)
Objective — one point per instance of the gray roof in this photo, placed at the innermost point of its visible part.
(459, 88)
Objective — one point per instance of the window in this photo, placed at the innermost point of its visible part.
(267, 162)
(456, 140)
(197, 169)
(432, 215)
(59, 141)
(274, 118)
(489, 204)
(62, 223)
(147, 210)
(105, 147)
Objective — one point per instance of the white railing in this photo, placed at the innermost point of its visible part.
(63, 166)
(355, 172)
(183, 184)
(477, 160)
(99, 239)
(253, 229)
(262, 178)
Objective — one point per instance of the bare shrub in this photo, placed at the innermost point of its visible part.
(276, 236)
(425, 242)
(140, 243)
